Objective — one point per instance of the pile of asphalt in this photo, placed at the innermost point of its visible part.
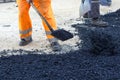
(82, 64)
(101, 40)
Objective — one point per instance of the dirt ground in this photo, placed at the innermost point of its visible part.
(65, 13)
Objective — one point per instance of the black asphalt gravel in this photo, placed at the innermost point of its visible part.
(98, 57)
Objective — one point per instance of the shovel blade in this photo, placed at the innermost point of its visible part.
(62, 34)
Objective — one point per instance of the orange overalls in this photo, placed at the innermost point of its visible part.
(25, 25)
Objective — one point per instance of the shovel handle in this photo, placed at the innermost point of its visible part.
(49, 26)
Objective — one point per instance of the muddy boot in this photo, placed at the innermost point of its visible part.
(55, 45)
(24, 42)
(98, 22)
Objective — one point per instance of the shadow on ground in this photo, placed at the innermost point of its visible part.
(75, 65)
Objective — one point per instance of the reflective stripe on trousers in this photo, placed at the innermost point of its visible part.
(48, 34)
(51, 39)
(44, 6)
(26, 33)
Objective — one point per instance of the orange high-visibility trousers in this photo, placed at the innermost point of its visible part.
(25, 25)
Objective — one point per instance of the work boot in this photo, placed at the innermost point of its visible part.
(99, 23)
(24, 42)
(55, 46)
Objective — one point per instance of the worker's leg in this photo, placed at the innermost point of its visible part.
(44, 7)
(95, 9)
(94, 14)
(25, 26)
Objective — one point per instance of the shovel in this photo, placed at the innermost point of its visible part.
(60, 34)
